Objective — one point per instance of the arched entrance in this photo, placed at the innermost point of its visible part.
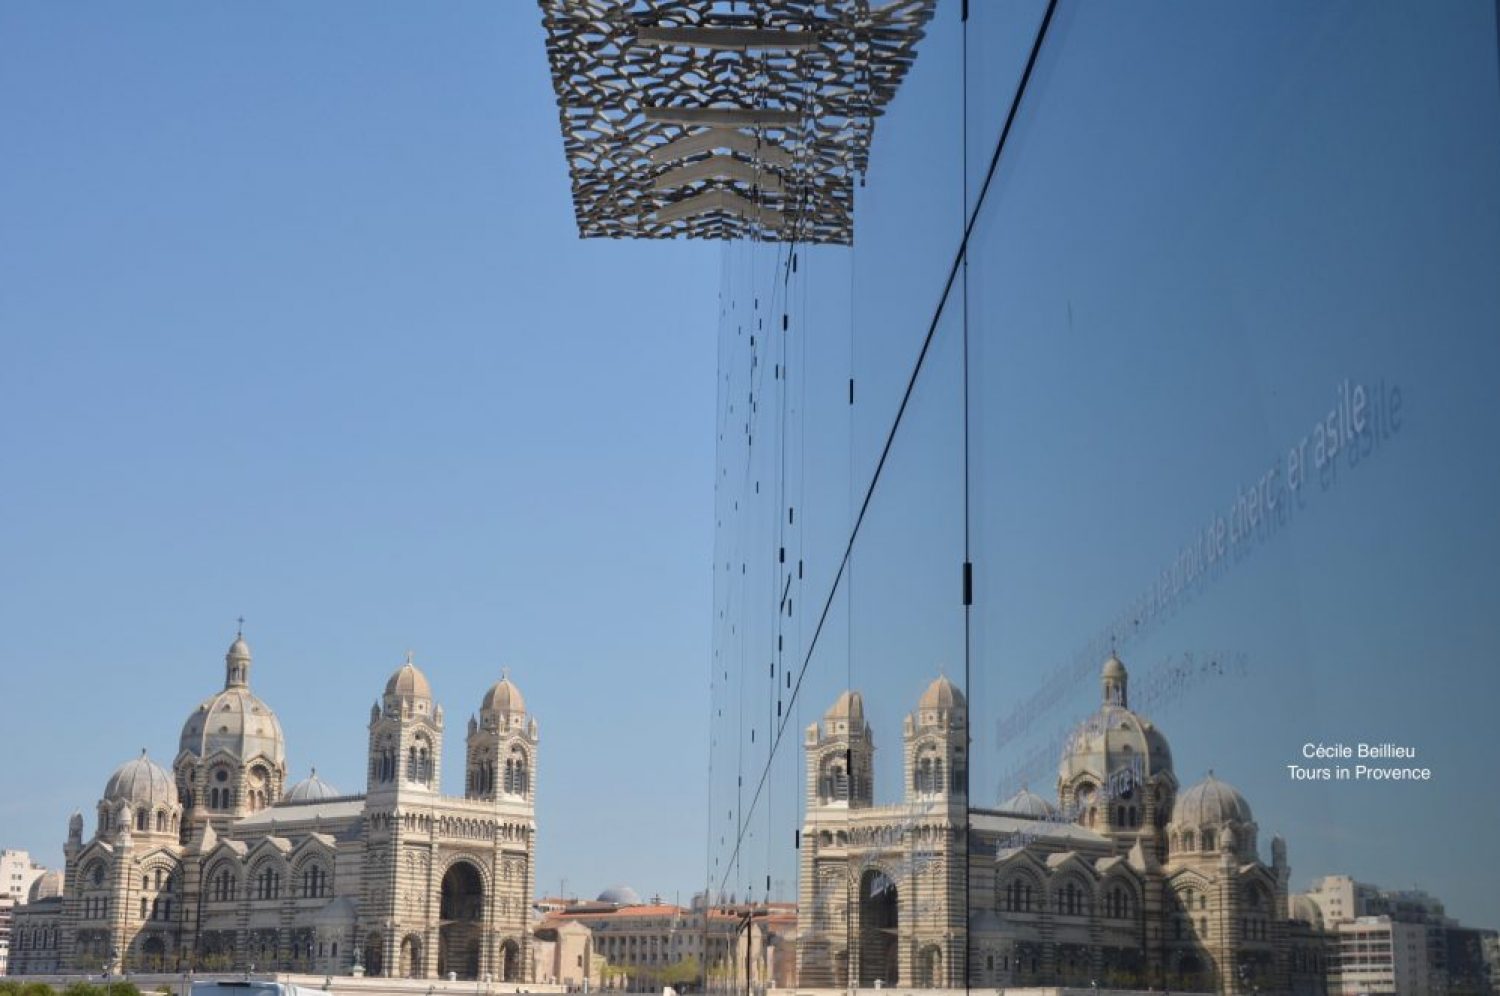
(153, 954)
(510, 962)
(374, 954)
(877, 930)
(460, 915)
(1192, 972)
(411, 957)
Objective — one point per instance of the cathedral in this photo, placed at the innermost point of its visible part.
(217, 864)
(1122, 880)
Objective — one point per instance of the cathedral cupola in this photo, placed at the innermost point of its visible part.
(408, 688)
(237, 663)
(936, 740)
(1116, 770)
(405, 750)
(231, 756)
(1115, 681)
(501, 748)
(842, 752)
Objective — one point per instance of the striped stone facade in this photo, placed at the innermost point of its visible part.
(216, 866)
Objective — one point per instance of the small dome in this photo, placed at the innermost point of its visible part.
(141, 782)
(503, 697)
(1028, 803)
(1113, 667)
(239, 648)
(311, 789)
(942, 694)
(1210, 803)
(1304, 909)
(47, 886)
(408, 682)
(620, 895)
(850, 707)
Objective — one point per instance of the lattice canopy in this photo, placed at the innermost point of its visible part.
(723, 120)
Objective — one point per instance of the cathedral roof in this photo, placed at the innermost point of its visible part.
(1028, 803)
(849, 706)
(1210, 803)
(311, 789)
(942, 694)
(47, 885)
(1115, 738)
(235, 720)
(503, 697)
(141, 782)
(408, 682)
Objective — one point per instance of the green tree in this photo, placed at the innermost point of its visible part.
(37, 989)
(81, 988)
(10, 987)
(683, 972)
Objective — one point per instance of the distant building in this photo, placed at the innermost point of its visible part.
(1396, 941)
(216, 863)
(17, 873)
(19, 876)
(631, 943)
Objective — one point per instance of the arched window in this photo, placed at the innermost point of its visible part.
(314, 881)
(521, 775)
(1208, 840)
(143, 820)
(268, 883)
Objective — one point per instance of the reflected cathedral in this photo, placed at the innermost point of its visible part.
(1121, 880)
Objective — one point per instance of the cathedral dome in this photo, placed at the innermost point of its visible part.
(1210, 803)
(942, 694)
(311, 789)
(1115, 738)
(849, 707)
(141, 782)
(48, 885)
(408, 682)
(619, 895)
(234, 721)
(1028, 803)
(1304, 909)
(503, 697)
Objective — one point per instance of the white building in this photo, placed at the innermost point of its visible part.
(1376, 954)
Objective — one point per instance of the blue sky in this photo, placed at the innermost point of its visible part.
(295, 324)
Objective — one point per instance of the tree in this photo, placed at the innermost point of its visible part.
(683, 972)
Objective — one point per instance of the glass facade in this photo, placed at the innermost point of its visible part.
(1106, 541)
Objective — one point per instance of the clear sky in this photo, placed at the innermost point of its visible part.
(295, 325)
